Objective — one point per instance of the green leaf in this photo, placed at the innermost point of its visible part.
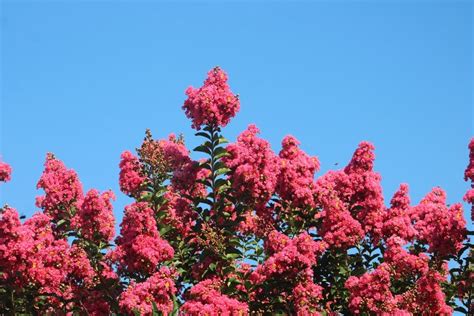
(202, 134)
(175, 311)
(209, 128)
(203, 148)
(343, 270)
(219, 165)
(206, 182)
(221, 182)
(222, 171)
(212, 267)
(161, 214)
(164, 230)
(222, 140)
(232, 256)
(220, 152)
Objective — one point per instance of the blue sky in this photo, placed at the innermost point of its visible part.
(84, 79)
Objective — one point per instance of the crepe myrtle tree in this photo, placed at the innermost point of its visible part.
(242, 230)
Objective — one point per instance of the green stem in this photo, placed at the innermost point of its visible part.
(214, 139)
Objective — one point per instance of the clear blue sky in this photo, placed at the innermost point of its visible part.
(84, 79)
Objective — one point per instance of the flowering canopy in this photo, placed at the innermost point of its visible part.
(243, 230)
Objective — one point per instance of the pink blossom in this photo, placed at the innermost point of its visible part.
(5, 172)
(355, 189)
(254, 167)
(469, 198)
(442, 228)
(427, 297)
(95, 218)
(158, 288)
(63, 190)
(79, 266)
(160, 158)
(367, 199)
(362, 159)
(371, 293)
(212, 104)
(469, 173)
(276, 242)
(259, 222)
(97, 306)
(397, 221)
(205, 298)
(339, 229)
(180, 213)
(306, 296)
(32, 256)
(296, 179)
(404, 263)
(131, 178)
(188, 179)
(294, 256)
(10, 236)
(175, 152)
(139, 247)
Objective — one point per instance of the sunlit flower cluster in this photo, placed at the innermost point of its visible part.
(255, 167)
(5, 172)
(212, 104)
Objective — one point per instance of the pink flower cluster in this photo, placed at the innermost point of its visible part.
(130, 179)
(352, 200)
(288, 257)
(63, 190)
(366, 198)
(95, 218)
(275, 242)
(180, 213)
(5, 172)
(469, 172)
(158, 288)
(296, 180)
(397, 219)
(254, 167)
(188, 179)
(469, 198)
(469, 175)
(371, 292)
(306, 296)
(139, 247)
(31, 256)
(159, 159)
(403, 262)
(38, 259)
(212, 104)
(339, 229)
(259, 221)
(427, 297)
(175, 152)
(441, 228)
(205, 299)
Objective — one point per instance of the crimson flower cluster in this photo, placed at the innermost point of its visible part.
(213, 103)
(5, 172)
(240, 230)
